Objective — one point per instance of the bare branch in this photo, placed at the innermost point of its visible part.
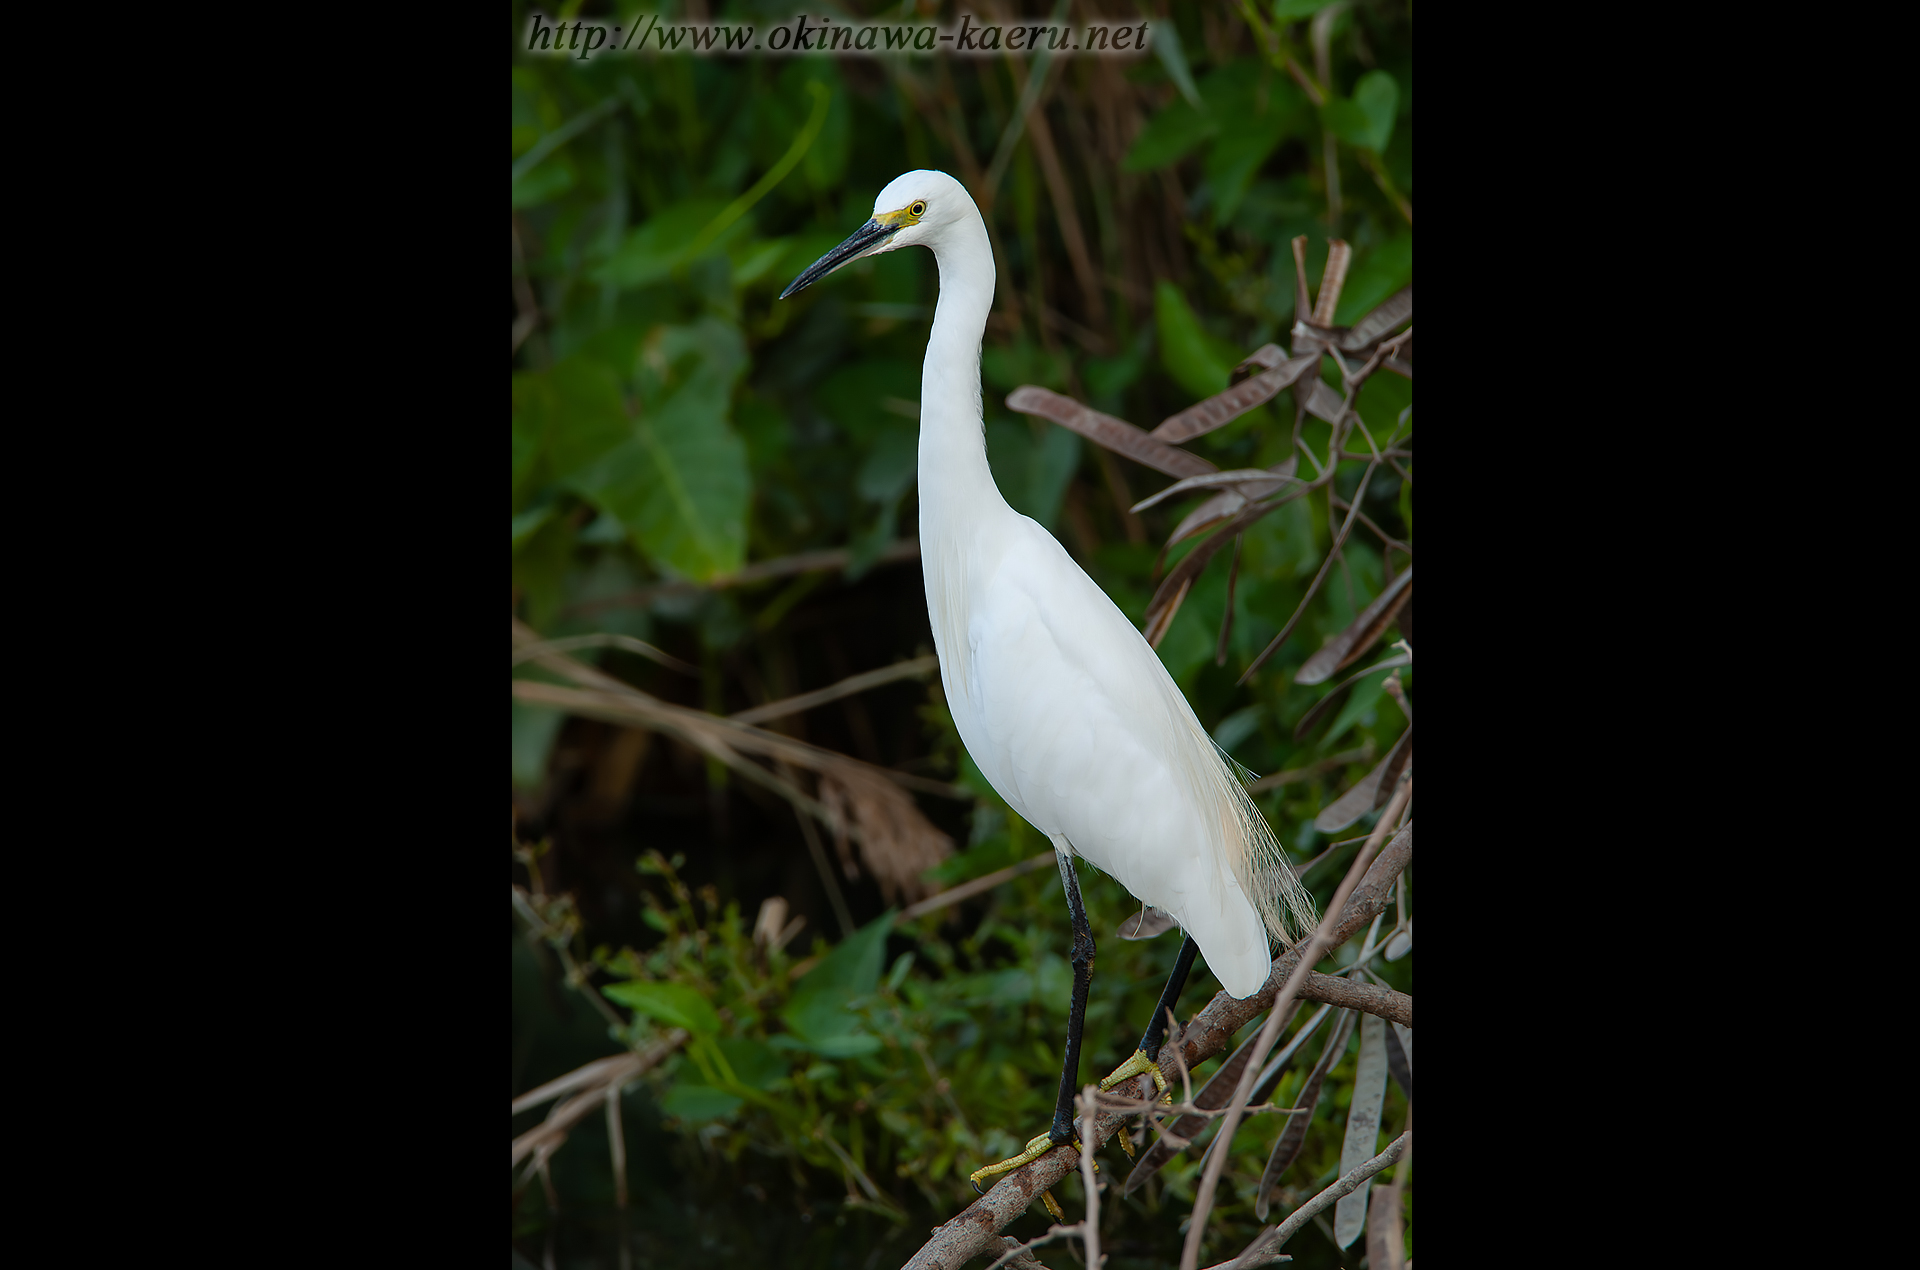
(979, 885)
(913, 669)
(611, 1075)
(831, 561)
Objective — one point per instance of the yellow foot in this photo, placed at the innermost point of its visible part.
(1053, 1205)
(1035, 1149)
(1135, 1066)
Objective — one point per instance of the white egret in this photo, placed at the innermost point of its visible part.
(1059, 699)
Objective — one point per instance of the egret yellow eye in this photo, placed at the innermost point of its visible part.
(918, 209)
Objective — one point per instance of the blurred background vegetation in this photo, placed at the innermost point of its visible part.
(673, 422)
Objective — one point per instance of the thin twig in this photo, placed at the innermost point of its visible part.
(967, 890)
(1318, 578)
(1090, 1224)
(1274, 1236)
(1296, 774)
(566, 644)
(760, 571)
(1053, 1233)
(833, 692)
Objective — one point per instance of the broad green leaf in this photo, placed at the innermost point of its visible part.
(818, 1009)
(1373, 277)
(755, 260)
(1194, 358)
(1365, 120)
(650, 251)
(1032, 473)
(1257, 109)
(564, 418)
(673, 1004)
(1169, 136)
(690, 1101)
(1380, 402)
(680, 481)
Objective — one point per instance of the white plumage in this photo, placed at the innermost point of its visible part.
(1059, 699)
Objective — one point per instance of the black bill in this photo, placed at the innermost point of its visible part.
(862, 238)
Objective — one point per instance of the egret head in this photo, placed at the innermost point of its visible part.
(914, 210)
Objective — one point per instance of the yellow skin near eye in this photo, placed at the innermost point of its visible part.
(904, 217)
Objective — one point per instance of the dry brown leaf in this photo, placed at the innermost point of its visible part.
(1116, 434)
(897, 844)
(1365, 796)
(1361, 633)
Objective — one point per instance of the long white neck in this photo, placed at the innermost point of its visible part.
(957, 493)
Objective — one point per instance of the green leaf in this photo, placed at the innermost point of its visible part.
(864, 398)
(534, 730)
(1292, 10)
(1167, 46)
(1032, 472)
(673, 1004)
(846, 1046)
(755, 260)
(755, 1063)
(526, 522)
(978, 860)
(690, 1101)
(818, 1009)
(650, 251)
(1257, 109)
(1188, 353)
(1365, 120)
(563, 419)
(1366, 696)
(1008, 366)
(1237, 727)
(1168, 137)
(891, 465)
(544, 184)
(1373, 277)
(681, 481)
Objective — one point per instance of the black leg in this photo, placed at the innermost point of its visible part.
(1176, 982)
(1062, 1131)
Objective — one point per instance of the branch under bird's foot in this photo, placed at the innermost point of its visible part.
(1035, 1149)
(1135, 1066)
